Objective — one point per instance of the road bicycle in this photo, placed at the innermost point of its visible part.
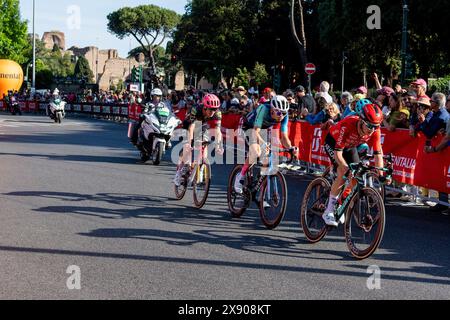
(362, 212)
(198, 177)
(266, 186)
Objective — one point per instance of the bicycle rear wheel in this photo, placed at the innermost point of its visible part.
(201, 185)
(314, 203)
(237, 203)
(273, 194)
(365, 223)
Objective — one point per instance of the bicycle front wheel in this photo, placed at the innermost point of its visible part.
(314, 203)
(365, 223)
(273, 200)
(180, 191)
(237, 203)
(201, 185)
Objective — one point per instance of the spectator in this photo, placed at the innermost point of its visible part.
(323, 92)
(399, 115)
(346, 104)
(267, 96)
(293, 106)
(420, 88)
(306, 103)
(245, 105)
(241, 91)
(438, 120)
(383, 99)
(363, 91)
(328, 116)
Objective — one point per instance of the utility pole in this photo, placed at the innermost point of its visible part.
(344, 58)
(404, 41)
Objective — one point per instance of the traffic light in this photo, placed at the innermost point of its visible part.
(134, 75)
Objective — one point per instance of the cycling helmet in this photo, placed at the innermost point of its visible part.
(280, 103)
(360, 105)
(211, 101)
(372, 114)
(156, 92)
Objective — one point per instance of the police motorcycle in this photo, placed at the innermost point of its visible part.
(156, 131)
(56, 108)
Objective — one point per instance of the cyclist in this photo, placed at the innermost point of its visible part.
(341, 146)
(264, 117)
(209, 115)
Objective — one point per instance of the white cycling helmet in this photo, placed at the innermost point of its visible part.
(56, 92)
(280, 103)
(156, 92)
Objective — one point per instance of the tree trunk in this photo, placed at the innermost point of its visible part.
(301, 44)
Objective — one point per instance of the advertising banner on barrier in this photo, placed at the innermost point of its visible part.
(2, 105)
(32, 106)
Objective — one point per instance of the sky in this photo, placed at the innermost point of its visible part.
(84, 22)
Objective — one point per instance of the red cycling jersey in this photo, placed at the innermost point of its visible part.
(346, 135)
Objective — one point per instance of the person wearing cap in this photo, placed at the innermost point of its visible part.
(420, 88)
(383, 99)
(266, 96)
(241, 91)
(363, 91)
(306, 103)
(422, 114)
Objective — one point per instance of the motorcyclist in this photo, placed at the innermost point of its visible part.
(55, 99)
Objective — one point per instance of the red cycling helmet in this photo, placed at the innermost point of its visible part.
(211, 101)
(372, 114)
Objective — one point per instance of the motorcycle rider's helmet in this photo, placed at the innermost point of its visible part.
(156, 92)
(56, 92)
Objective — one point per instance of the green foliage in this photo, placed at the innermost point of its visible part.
(13, 32)
(260, 74)
(243, 77)
(440, 85)
(83, 70)
(150, 25)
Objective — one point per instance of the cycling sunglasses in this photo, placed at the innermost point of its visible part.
(371, 127)
(278, 113)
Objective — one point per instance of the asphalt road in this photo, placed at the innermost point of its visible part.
(74, 194)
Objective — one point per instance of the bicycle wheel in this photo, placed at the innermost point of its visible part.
(373, 181)
(364, 223)
(274, 194)
(201, 185)
(180, 191)
(237, 203)
(314, 203)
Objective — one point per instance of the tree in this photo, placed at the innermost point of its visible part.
(216, 35)
(150, 25)
(13, 32)
(83, 70)
(260, 75)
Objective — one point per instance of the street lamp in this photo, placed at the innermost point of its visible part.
(404, 40)
(33, 86)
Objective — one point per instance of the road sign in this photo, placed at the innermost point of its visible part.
(310, 68)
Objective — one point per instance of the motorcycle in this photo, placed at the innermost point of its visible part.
(156, 131)
(15, 109)
(57, 110)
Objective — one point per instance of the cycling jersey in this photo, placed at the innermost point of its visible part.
(346, 135)
(262, 119)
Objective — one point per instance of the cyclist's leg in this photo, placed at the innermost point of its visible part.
(329, 147)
